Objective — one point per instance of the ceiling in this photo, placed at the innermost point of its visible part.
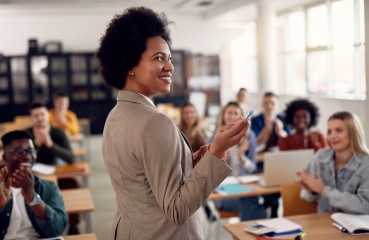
(223, 10)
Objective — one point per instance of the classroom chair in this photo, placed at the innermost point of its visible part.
(293, 204)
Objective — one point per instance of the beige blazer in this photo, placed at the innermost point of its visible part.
(150, 164)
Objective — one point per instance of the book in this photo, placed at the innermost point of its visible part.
(282, 227)
(43, 169)
(232, 188)
(241, 179)
(354, 224)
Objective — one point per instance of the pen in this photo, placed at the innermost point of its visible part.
(249, 114)
(339, 227)
(300, 236)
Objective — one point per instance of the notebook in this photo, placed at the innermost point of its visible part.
(241, 179)
(282, 226)
(232, 188)
(355, 224)
(43, 169)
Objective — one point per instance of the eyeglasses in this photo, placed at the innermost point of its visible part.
(21, 152)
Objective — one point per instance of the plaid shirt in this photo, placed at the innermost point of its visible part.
(348, 191)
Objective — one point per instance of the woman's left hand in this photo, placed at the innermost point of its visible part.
(200, 153)
(311, 183)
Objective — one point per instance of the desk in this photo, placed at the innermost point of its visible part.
(51, 178)
(258, 190)
(90, 236)
(317, 226)
(79, 152)
(79, 201)
(80, 169)
(76, 138)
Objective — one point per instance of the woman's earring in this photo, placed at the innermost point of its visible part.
(132, 73)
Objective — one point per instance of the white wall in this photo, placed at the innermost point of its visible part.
(79, 28)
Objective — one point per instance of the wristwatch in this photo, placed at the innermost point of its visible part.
(36, 200)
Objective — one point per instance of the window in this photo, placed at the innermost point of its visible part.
(243, 60)
(322, 50)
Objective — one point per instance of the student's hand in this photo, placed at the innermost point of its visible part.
(279, 128)
(60, 118)
(311, 183)
(268, 124)
(228, 136)
(243, 147)
(4, 190)
(44, 134)
(39, 137)
(24, 178)
(200, 153)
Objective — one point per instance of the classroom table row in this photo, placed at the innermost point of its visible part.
(316, 226)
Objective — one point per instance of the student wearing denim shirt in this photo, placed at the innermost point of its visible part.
(338, 178)
(242, 159)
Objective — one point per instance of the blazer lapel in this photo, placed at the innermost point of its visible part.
(184, 137)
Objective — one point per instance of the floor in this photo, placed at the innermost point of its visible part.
(104, 199)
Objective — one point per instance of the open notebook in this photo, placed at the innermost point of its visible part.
(355, 224)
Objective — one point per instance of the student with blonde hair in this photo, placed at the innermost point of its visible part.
(242, 159)
(338, 178)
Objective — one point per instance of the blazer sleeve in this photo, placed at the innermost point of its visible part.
(160, 152)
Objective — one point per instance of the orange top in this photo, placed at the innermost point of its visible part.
(71, 128)
(315, 140)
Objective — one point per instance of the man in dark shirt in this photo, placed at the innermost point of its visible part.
(52, 145)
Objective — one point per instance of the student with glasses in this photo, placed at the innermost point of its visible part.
(29, 206)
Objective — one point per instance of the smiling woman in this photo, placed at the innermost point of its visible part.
(159, 182)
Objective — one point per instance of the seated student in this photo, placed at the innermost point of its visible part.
(242, 159)
(61, 117)
(29, 206)
(190, 126)
(338, 177)
(268, 125)
(52, 145)
(302, 115)
(242, 97)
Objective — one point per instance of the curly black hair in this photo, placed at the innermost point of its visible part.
(125, 40)
(297, 104)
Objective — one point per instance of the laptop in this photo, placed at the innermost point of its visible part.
(280, 167)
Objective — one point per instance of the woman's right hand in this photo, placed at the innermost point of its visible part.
(4, 191)
(228, 136)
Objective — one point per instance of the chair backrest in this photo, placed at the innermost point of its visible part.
(293, 204)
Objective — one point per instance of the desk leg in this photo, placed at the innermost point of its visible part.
(85, 182)
(87, 216)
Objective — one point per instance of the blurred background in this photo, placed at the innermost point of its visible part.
(295, 48)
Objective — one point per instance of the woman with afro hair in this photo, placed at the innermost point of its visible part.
(159, 182)
(302, 115)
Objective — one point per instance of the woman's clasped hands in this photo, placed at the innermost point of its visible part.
(310, 183)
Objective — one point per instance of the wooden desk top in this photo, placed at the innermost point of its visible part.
(77, 200)
(79, 169)
(90, 236)
(317, 226)
(51, 178)
(258, 190)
